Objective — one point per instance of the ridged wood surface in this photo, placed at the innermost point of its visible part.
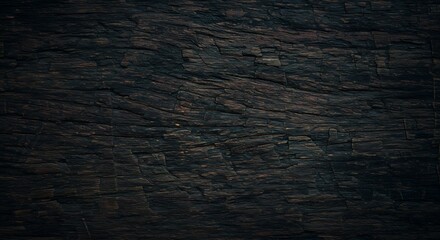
(219, 119)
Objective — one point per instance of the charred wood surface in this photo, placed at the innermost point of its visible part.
(219, 119)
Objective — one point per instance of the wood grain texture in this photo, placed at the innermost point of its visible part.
(249, 119)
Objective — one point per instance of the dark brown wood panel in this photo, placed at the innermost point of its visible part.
(248, 119)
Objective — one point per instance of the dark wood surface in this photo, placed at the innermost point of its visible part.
(219, 119)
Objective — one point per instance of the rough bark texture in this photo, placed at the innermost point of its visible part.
(219, 119)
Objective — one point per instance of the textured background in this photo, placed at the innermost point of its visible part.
(219, 119)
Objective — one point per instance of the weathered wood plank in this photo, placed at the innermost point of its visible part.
(247, 119)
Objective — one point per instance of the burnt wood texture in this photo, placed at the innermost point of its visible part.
(249, 119)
